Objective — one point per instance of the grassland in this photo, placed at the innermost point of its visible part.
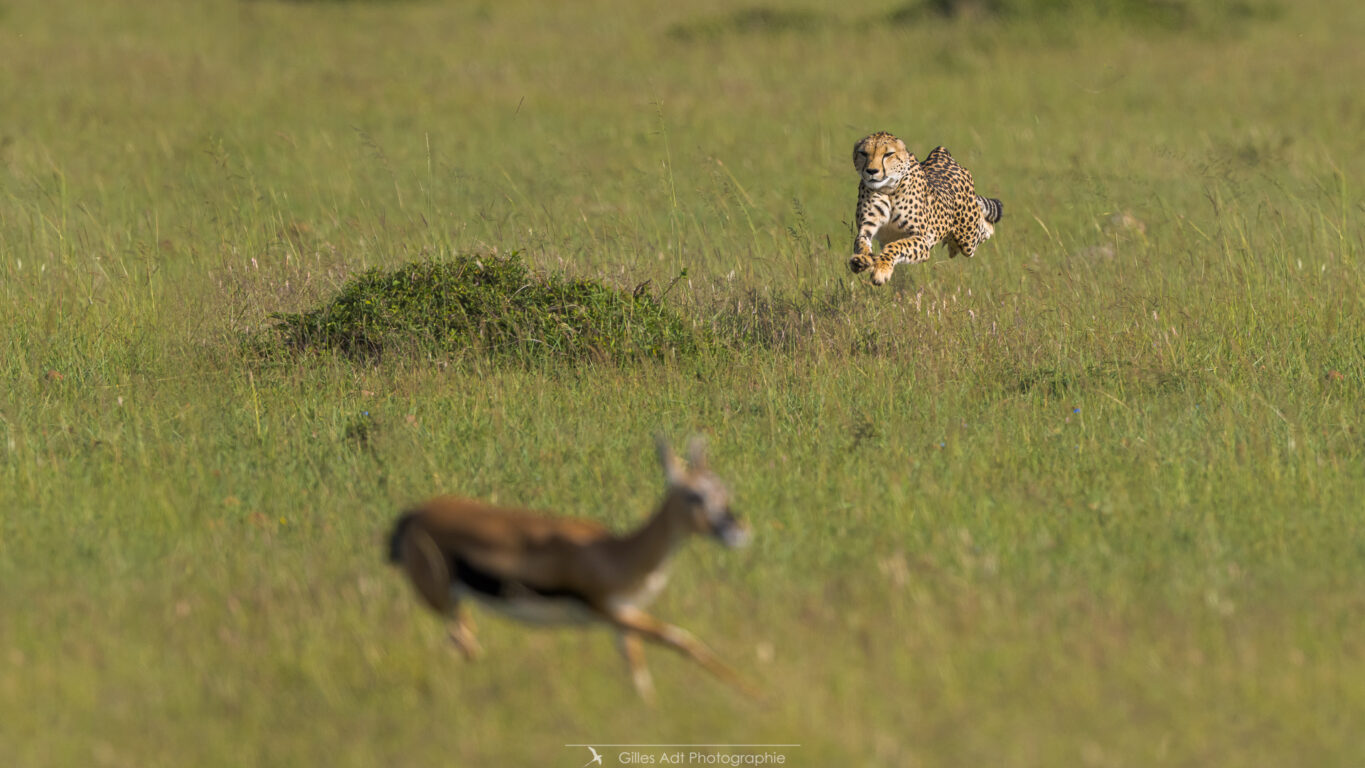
(1091, 498)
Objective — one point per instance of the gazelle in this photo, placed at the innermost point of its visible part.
(564, 571)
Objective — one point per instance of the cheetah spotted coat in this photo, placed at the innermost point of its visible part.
(910, 207)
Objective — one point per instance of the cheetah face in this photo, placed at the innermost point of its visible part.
(881, 160)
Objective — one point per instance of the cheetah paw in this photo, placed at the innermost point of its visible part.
(880, 275)
(859, 263)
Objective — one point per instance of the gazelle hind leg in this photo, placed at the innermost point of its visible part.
(633, 649)
(427, 569)
(461, 630)
(430, 576)
(636, 621)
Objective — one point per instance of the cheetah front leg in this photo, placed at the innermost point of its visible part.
(861, 261)
(873, 213)
(910, 250)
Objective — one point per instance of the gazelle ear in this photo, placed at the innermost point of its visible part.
(673, 470)
(696, 453)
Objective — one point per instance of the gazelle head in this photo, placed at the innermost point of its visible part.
(697, 497)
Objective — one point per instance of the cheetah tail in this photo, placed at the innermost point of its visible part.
(992, 208)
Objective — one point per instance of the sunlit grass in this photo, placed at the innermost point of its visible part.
(1088, 498)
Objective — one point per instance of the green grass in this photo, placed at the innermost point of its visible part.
(1090, 498)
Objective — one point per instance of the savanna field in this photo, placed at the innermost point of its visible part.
(1090, 498)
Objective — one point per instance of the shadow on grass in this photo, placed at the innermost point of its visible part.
(756, 20)
(1178, 15)
(1206, 16)
(1056, 382)
(778, 322)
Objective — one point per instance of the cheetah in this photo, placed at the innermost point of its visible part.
(910, 207)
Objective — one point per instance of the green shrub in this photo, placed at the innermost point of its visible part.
(488, 305)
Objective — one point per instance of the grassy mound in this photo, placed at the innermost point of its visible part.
(491, 305)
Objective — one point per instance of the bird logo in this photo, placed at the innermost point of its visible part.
(596, 758)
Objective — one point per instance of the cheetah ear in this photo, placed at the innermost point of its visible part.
(902, 146)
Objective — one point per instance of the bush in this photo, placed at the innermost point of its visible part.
(489, 305)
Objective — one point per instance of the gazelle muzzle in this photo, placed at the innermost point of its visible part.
(730, 531)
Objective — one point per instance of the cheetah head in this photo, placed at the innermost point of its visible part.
(881, 160)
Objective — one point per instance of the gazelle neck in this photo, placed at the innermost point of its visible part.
(647, 548)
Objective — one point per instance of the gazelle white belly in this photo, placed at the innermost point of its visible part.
(535, 608)
(653, 584)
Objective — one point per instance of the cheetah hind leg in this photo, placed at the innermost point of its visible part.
(967, 246)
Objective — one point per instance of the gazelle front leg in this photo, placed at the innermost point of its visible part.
(634, 620)
(633, 649)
